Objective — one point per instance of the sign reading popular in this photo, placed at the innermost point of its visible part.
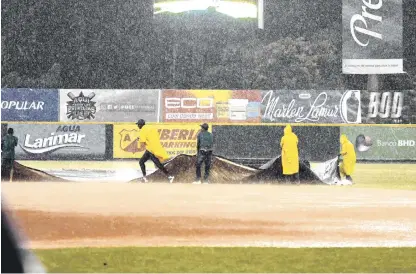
(176, 139)
(23, 104)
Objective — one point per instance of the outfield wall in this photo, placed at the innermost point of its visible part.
(247, 124)
(249, 144)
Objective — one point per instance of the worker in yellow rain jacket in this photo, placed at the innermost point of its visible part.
(154, 149)
(290, 155)
(349, 158)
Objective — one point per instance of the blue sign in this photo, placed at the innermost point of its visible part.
(23, 104)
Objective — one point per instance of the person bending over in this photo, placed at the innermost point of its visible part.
(154, 149)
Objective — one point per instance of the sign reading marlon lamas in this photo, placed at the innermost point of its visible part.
(176, 139)
(297, 106)
(372, 36)
(105, 105)
(60, 142)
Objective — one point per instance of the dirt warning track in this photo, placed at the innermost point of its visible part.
(126, 214)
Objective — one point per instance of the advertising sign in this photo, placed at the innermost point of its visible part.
(22, 104)
(232, 8)
(231, 106)
(108, 105)
(372, 37)
(176, 139)
(382, 143)
(310, 106)
(59, 142)
(389, 107)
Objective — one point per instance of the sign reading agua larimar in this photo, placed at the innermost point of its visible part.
(59, 142)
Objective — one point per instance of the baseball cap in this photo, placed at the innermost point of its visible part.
(205, 126)
(141, 122)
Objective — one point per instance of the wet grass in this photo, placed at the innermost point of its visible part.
(392, 176)
(223, 260)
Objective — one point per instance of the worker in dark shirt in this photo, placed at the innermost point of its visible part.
(8, 144)
(204, 153)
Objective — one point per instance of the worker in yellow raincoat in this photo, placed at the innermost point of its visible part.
(346, 168)
(154, 149)
(290, 155)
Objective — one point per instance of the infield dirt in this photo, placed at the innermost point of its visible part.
(131, 214)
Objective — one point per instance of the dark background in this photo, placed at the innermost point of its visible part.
(119, 44)
(235, 142)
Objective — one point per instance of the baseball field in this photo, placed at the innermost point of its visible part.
(133, 227)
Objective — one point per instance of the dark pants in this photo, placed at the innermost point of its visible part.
(203, 157)
(148, 155)
(293, 178)
(348, 177)
(6, 169)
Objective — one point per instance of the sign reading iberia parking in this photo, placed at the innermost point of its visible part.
(176, 139)
(310, 106)
(372, 36)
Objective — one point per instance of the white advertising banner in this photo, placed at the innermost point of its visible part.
(372, 37)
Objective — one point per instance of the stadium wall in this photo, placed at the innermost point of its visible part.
(247, 144)
(247, 124)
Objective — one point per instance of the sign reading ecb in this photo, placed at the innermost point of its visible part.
(189, 103)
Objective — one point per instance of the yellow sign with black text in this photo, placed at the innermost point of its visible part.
(176, 139)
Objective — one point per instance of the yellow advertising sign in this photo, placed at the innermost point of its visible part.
(175, 138)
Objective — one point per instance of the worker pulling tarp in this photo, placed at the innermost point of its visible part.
(224, 171)
(272, 172)
(328, 172)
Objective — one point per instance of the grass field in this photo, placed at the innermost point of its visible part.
(250, 259)
(220, 260)
(391, 176)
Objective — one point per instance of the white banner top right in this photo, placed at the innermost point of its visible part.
(372, 37)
